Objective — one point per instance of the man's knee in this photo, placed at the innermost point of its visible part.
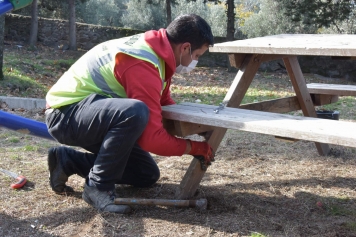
(148, 181)
(155, 177)
(139, 113)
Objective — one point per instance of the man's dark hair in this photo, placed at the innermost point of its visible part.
(190, 28)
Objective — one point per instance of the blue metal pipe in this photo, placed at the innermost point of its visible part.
(24, 125)
(5, 6)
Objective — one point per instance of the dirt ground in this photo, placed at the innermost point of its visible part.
(258, 186)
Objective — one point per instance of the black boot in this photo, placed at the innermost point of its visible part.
(103, 200)
(64, 162)
(57, 176)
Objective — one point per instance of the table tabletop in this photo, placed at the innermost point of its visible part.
(343, 45)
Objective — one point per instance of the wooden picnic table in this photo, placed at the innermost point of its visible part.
(247, 55)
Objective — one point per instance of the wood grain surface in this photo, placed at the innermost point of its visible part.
(293, 44)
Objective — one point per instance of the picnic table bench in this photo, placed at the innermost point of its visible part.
(265, 116)
(282, 125)
(331, 89)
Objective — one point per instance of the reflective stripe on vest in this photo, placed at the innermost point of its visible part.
(98, 79)
(95, 64)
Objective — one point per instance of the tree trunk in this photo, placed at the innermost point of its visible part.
(72, 30)
(34, 23)
(230, 20)
(169, 11)
(230, 12)
(2, 35)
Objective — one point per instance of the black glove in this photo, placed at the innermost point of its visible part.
(203, 163)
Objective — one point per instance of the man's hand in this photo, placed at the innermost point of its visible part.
(203, 152)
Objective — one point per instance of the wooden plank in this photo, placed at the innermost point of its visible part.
(282, 125)
(288, 104)
(339, 45)
(300, 88)
(343, 58)
(286, 139)
(187, 129)
(241, 83)
(168, 124)
(304, 98)
(332, 89)
(182, 129)
(272, 57)
(178, 128)
(236, 60)
(242, 80)
(319, 100)
(282, 105)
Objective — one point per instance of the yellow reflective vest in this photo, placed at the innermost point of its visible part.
(94, 71)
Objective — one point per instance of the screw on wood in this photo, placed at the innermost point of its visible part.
(221, 107)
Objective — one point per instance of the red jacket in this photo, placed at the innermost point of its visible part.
(142, 81)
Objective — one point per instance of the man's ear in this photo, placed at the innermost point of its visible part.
(185, 47)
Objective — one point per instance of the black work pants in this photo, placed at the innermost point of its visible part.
(109, 129)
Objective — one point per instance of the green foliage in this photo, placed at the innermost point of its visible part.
(24, 73)
(24, 85)
(350, 225)
(48, 9)
(2, 29)
(214, 14)
(272, 19)
(30, 148)
(255, 234)
(143, 16)
(339, 210)
(14, 140)
(250, 5)
(347, 26)
(55, 9)
(266, 21)
(217, 19)
(101, 12)
(301, 16)
(320, 13)
(244, 9)
(252, 17)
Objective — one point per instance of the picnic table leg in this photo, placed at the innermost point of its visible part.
(304, 98)
(233, 98)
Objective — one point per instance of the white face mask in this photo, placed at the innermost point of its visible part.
(185, 69)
